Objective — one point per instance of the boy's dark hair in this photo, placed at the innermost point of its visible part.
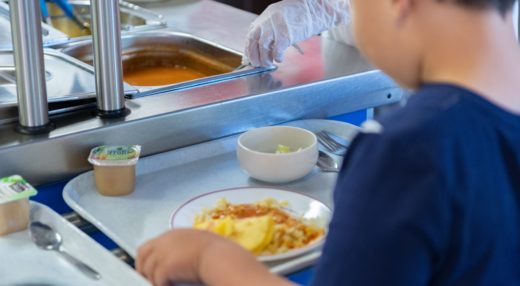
(503, 6)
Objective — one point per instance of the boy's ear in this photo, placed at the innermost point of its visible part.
(401, 10)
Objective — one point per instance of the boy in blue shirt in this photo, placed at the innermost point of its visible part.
(429, 197)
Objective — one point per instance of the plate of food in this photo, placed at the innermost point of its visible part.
(273, 224)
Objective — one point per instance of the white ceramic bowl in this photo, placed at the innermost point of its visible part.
(256, 153)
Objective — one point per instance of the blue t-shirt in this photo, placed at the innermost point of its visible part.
(433, 199)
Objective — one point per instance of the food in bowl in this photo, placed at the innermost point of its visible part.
(264, 227)
(114, 168)
(281, 149)
(14, 204)
(296, 157)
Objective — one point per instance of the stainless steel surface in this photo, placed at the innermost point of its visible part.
(148, 50)
(169, 121)
(47, 238)
(331, 143)
(122, 255)
(133, 18)
(326, 163)
(242, 66)
(334, 139)
(28, 58)
(67, 80)
(50, 35)
(75, 17)
(80, 222)
(64, 76)
(7, 77)
(330, 79)
(107, 55)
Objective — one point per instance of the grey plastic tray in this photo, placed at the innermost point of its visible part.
(23, 263)
(167, 180)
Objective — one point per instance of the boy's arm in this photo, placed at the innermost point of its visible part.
(196, 256)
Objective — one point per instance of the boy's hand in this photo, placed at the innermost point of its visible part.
(195, 256)
(173, 256)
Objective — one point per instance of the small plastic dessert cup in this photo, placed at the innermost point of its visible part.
(14, 204)
(114, 168)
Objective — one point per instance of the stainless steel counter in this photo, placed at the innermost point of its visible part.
(50, 36)
(329, 79)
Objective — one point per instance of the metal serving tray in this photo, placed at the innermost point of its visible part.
(23, 263)
(67, 80)
(51, 36)
(167, 180)
(133, 18)
(166, 49)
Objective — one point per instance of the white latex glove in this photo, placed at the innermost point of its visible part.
(288, 22)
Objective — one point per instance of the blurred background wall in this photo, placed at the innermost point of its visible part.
(255, 6)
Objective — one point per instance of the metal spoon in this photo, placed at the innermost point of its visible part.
(47, 238)
(326, 163)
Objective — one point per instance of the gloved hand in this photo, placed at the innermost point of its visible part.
(287, 22)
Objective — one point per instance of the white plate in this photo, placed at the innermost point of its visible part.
(300, 205)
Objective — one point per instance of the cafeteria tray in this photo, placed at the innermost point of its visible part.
(23, 263)
(167, 180)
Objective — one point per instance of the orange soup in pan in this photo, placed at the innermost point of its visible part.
(161, 75)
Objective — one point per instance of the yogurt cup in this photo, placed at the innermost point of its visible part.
(114, 168)
(14, 204)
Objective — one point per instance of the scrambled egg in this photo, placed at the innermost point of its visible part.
(264, 227)
(253, 233)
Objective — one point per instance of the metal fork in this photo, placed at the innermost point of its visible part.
(330, 143)
(326, 163)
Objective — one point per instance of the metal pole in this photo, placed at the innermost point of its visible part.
(26, 32)
(106, 34)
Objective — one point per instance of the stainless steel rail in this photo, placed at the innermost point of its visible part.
(80, 222)
(172, 120)
(330, 79)
(30, 72)
(89, 228)
(107, 57)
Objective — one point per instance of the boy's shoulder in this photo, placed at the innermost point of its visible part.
(434, 112)
(441, 122)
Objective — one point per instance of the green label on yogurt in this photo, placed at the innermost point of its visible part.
(15, 188)
(123, 152)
